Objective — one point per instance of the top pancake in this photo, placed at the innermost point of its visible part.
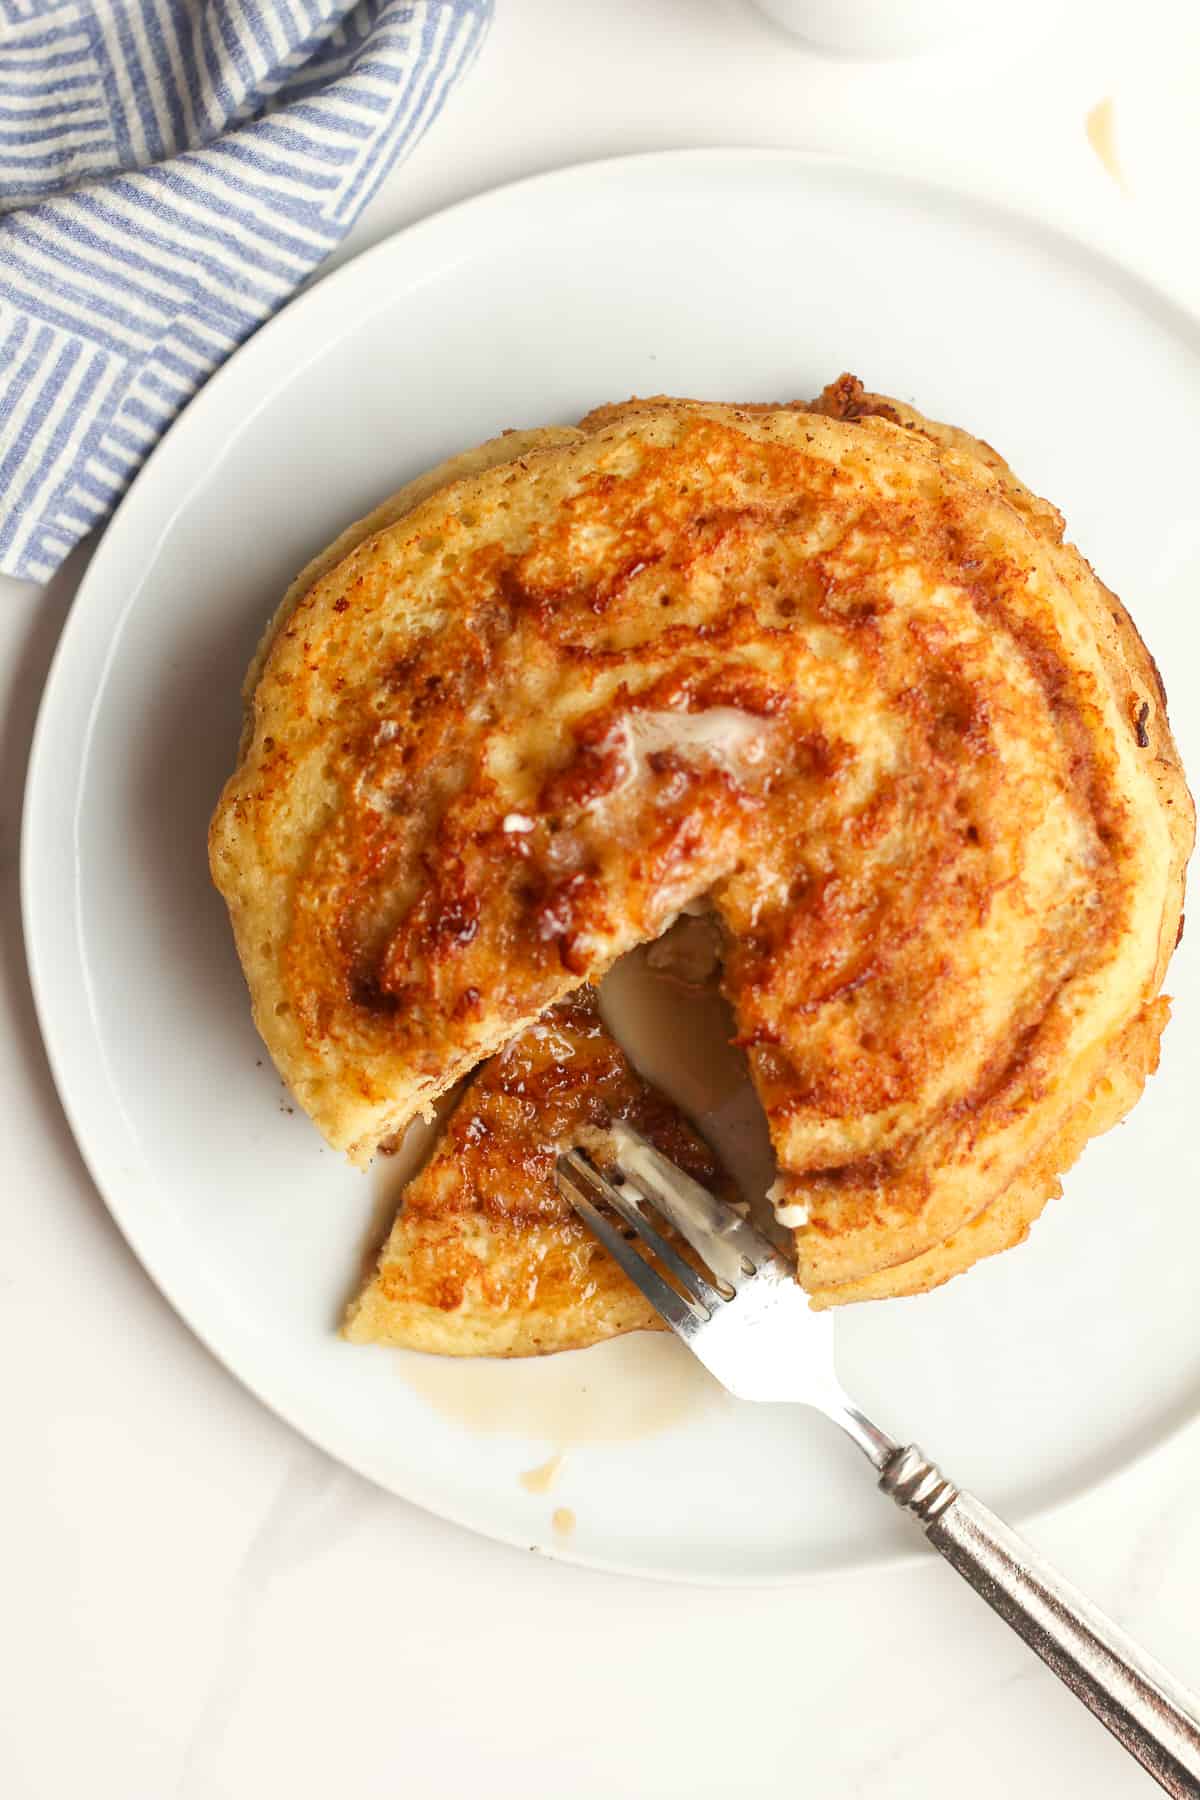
(834, 668)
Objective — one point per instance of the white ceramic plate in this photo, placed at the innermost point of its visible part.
(729, 275)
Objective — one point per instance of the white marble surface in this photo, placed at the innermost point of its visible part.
(196, 1603)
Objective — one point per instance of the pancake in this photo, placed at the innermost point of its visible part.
(485, 1257)
(831, 666)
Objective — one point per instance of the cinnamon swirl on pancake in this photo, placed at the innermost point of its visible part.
(831, 666)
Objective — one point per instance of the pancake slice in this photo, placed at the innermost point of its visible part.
(485, 1257)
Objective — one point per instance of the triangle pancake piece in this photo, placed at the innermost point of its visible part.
(485, 1258)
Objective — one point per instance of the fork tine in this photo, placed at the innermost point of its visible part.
(726, 1242)
(572, 1174)
(624, 1201)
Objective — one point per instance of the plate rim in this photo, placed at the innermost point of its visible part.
(1044, 227)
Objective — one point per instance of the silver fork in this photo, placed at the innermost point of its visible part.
(750, 1324)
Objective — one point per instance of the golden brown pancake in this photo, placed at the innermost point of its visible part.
(485, 1257)
(833, 667)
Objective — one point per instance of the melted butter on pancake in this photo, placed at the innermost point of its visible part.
(733, 741)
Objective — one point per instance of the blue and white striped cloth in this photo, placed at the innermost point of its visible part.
(170, 172)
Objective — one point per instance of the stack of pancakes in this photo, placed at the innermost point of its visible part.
(830, 668)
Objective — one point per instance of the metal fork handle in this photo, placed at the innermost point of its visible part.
(1155, 1718)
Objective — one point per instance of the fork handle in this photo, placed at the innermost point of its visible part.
(1155, 1718)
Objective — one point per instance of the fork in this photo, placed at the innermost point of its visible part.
(748, 1320)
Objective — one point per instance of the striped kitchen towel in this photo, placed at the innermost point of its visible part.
(170, 172)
